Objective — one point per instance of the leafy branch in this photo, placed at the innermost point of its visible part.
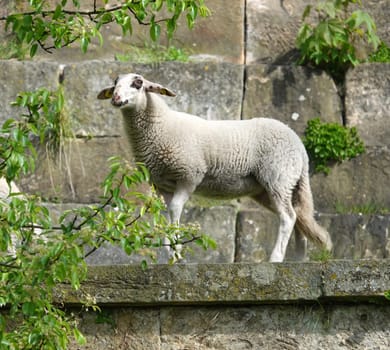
(334, 41)
(59, 27)
(36, 254)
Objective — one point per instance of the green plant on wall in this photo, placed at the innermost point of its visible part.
(50, 28)
(152, 53)
(337, 39)
(382, 54)
(330, 142)
(37, 255)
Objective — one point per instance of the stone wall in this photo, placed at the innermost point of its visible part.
(336, 305)
(242, 67)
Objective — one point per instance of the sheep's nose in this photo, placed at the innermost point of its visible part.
(116, 99)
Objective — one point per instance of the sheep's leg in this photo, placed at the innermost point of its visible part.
(287, 219)
(180, 197)
(175, 208)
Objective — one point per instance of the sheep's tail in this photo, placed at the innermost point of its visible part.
(304, 208)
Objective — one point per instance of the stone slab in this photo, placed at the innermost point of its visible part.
(354, 236)
(360, 278)
(210, 90)
(287, 327)
(272, 27)
(210, 284)
(367, 102)
(76, 174)
(358, 236)
(217, 222)
(360, 181)
(291, 94)
(23, 76)
(201, 284)
(119, 329)
(219, 37)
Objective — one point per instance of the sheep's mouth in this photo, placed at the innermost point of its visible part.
(118, 103)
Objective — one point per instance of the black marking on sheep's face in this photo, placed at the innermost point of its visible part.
(137, 83)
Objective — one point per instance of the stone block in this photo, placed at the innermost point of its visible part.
(199, 283)
(358, 278)
(360, 181)
(354, 236)
(291, 94)
(379, 10)
(210, 90)
(76, 174)
(216, 222)
(21, 76)
(272, 27)
(358, 236)
(256, 234)
(219, 37)
(281, 327)
(220, 224)
(367, 102)
(120, 329)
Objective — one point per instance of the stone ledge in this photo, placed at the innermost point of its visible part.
(235, 284)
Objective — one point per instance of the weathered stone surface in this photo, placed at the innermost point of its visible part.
(220, 224)
(379, 10)
(239, 306)
(284, 327)
(234, 283)
(120, 329)
(256, 234)
(210, 90)
(367, 102)
(358, 236)
(361, 278)
(76, 175)
(272, 27)
(291, 94)
(217, 222)
(354, 236)
(203, 283)
(298, 326)
(358, 182)
(221, 35)
(218, 37)
(20, 76)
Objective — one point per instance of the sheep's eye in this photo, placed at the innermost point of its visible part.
(137, 83)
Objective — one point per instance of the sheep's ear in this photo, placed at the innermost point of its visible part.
(158, 89)
(106, 93)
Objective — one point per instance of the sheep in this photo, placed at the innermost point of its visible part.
(261, 158)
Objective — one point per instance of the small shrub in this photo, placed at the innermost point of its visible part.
(152, 53)
(322, 255)
(382, 54)
(333, 42)
(330, 142)
(11, 47)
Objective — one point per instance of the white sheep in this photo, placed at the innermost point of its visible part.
(261, 158)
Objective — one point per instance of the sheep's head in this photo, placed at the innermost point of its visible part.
(129, 91)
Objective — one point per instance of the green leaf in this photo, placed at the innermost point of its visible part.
(79, 337)
(155, 30)
(84, 44)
